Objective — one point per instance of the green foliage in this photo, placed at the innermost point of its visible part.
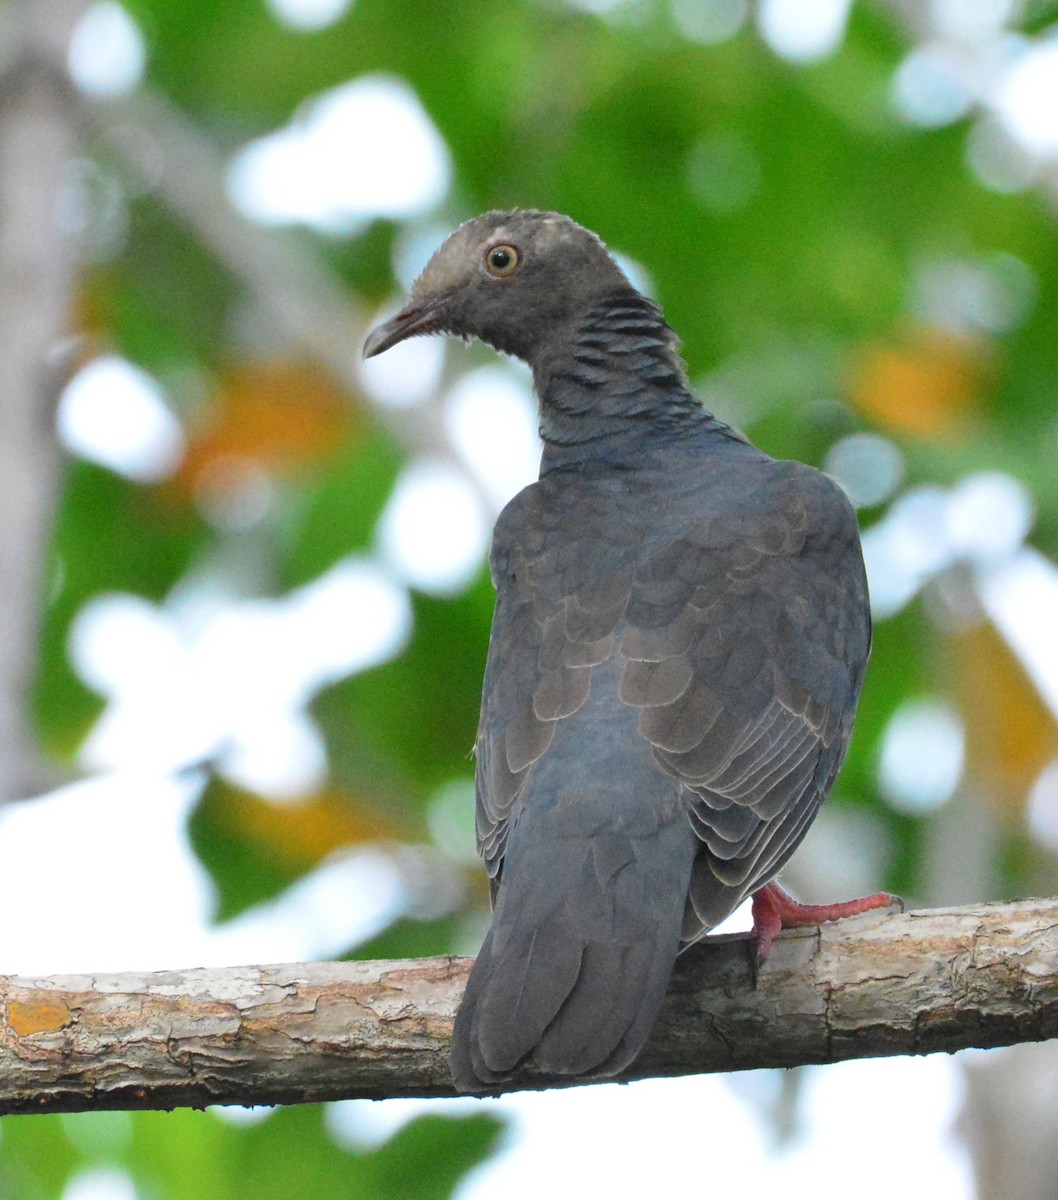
(194, 1156)
(189, 1155)
(336, 510)
(112, 536)
(413, 939)
(168, 295)
(246, 870)
(415, 717)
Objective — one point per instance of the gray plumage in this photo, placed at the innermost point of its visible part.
(679, 641)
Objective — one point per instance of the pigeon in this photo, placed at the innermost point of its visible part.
(678, 646)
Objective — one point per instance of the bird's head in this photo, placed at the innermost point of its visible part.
(512, 279)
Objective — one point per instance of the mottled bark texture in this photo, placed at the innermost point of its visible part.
(918, 983)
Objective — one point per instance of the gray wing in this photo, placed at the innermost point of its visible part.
(742, 639)
(551, 627)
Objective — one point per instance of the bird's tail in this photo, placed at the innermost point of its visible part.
(572, 973)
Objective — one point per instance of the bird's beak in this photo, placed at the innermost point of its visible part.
(420, 316)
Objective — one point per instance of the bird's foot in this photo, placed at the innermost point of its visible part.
(774, 910)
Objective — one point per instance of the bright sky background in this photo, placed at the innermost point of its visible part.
(212, 673)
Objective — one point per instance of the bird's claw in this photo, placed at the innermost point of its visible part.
(774, 910)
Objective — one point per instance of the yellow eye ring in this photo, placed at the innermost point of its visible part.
(501, 260)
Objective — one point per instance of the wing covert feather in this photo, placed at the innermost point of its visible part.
(741, 636)
(775, 634)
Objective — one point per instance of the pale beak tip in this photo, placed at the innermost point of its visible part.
(415, 318)
(373, 343)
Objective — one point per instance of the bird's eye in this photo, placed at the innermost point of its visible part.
(501, 260)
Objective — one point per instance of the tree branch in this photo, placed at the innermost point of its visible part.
(910, 984)
(38, 121)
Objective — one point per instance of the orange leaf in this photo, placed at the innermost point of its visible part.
(304, 833)
(1010, 732)
(271, 417)
(926, 386)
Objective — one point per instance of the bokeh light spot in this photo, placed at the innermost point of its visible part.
(309, 15)
(433, 529)
(100, 1183)
(1027, 99)
(364, 149)
(709, 21)
(803, 31)
(492, 420)
(922, 756)
(114, 414)
(989, 515)
(407, 374)
(1042, 813)
(931, 87)
(107, 55)
(868, 466)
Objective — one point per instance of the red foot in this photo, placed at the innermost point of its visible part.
(775, 910)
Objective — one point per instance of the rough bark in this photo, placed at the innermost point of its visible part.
(918, 983)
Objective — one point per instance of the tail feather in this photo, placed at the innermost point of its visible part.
(572, 973)
(525, 987)
(606, 1020)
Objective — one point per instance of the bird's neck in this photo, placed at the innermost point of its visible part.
(615, 378)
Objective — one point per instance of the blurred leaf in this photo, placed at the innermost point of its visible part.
(166, 301)
(335, 512)
(254, 848)
(37, 1159)
(197, 1156)
(365, 263)
(903, 663)
(272, 415)
(112, 535)
(408, 938)
(926, 386)
(1011, 734)
(1039, 15)
(410, 724)
(427, 1158)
